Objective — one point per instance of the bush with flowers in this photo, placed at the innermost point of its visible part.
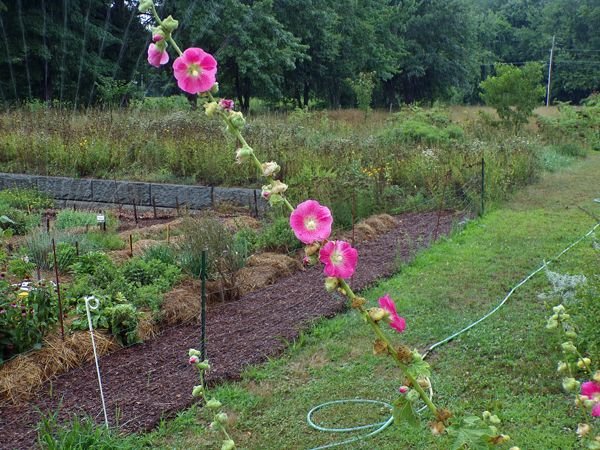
(25, 316)
(195, 71)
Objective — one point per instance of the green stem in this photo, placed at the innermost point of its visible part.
(380, 334)
(170, 39)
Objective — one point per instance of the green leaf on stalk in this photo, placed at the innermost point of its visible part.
(418, 368)
(403, 412)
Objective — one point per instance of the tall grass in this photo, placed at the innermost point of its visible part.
(386, 161)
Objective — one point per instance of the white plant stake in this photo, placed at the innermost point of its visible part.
(88, 307)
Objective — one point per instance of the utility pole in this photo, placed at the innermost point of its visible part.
(550, 73)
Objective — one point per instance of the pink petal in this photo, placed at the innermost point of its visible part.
(596, 410)
(206, 81)
(388, 304)
(589, 388)
(208, 62)
(322, 217)
(193, 55)
(398, 324)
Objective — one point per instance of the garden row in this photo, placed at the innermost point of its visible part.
(142, 288)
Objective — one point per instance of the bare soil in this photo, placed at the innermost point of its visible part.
(153, 380)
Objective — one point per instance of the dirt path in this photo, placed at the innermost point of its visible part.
(152, 380)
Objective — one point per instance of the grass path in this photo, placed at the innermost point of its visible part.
(505, 365)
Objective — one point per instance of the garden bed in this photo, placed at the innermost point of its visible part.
(148, 381)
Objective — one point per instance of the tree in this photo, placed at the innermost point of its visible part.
(514, 92)
(58, 50)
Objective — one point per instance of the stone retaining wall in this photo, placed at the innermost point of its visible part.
(129, 192)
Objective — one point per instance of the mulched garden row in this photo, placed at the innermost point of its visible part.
(153, 380)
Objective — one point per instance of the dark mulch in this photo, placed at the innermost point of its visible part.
(152, 380)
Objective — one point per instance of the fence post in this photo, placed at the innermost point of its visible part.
(203, 276)
(482, 186)
(89, 318)
(60, 308)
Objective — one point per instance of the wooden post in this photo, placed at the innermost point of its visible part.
(60, 308)
(168, 232)
(135, 216)
(131, 245)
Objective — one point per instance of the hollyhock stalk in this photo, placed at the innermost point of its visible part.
(381, 335)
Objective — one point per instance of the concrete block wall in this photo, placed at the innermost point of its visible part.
(128, 192)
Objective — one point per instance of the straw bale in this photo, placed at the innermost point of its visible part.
(364, 231)
(240, 222)
(264, 269)
(19, 377)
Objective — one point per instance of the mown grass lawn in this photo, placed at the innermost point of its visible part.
(506, 365)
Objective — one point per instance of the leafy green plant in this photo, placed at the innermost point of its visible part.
(123, 322)
(21, 267)
(25, 317)
(277, 236)
(143, 272)
(67, 218)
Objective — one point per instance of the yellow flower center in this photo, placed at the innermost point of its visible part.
(336, 258)
(194, 70)
(310, 223)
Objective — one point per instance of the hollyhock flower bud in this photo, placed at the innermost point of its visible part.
(583, 429)
(157, 34)
(265, 193)
(278, 187)
(377, 314)
(570, 384)
(514, 448)
(486, 415)
(596, 377)
(569, 347)
(412, 396)
(242, 155)
(213, 404)
(495, 419)
(226, 104)
(237, 119)
(228, 445)
(193, 352)
(559, 309)
(562, 367)
(552, 324)
(331, 284)
(571, 334)
(221, 418)
(309, 260)
(403, 389)
(145, 6)
(169, 25)
(210, 108)
(270, 168)
(312, 249)
(582, 363)
(203, 365)
(198, 391)
(194, 359)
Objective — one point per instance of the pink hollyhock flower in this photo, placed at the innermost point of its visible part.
(311, 222)
(226, 104)
(396, 322)
(403, 389)
(157, 57)
(195, 71)
(340, 259)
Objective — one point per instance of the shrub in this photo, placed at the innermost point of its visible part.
(514, 92)
(68, 218)
(143, 272)
(206, 232)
